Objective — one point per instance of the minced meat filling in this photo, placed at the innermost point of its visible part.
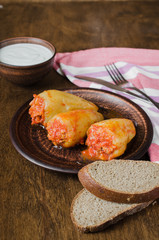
(100, 143)
(56, 132)
(36, 110)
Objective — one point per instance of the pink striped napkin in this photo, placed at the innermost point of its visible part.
(139, 66)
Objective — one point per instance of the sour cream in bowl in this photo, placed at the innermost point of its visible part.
(25, 60)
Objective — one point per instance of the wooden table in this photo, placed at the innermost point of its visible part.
(35, 202)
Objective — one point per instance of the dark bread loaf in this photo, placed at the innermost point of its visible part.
(122, 181)
(91, 214)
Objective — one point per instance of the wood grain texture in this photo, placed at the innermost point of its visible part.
(47, 1)
(35, 202)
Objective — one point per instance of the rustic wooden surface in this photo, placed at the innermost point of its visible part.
(35, 202)
(47, 1)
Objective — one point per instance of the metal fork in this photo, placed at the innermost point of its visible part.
(118, 79)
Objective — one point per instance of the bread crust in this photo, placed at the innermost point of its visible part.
(109, 194)
(103, 225)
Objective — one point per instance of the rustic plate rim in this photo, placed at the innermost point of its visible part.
(19, 149)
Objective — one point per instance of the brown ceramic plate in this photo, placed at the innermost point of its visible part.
(32, 143)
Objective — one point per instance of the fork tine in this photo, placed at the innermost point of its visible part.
(113, 74)
(116, 77)
(121, 76)
(119, 79)
(110, 74)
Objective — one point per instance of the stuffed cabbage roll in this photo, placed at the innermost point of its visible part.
(108, 139)
(49, 103)
(69, 128)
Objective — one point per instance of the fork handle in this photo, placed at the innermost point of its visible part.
(144, 94)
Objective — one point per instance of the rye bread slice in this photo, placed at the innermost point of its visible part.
(122, 181)
(92, 214)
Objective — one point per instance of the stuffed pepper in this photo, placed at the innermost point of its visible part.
(49, 103)
(108, 139)
(69, 128)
